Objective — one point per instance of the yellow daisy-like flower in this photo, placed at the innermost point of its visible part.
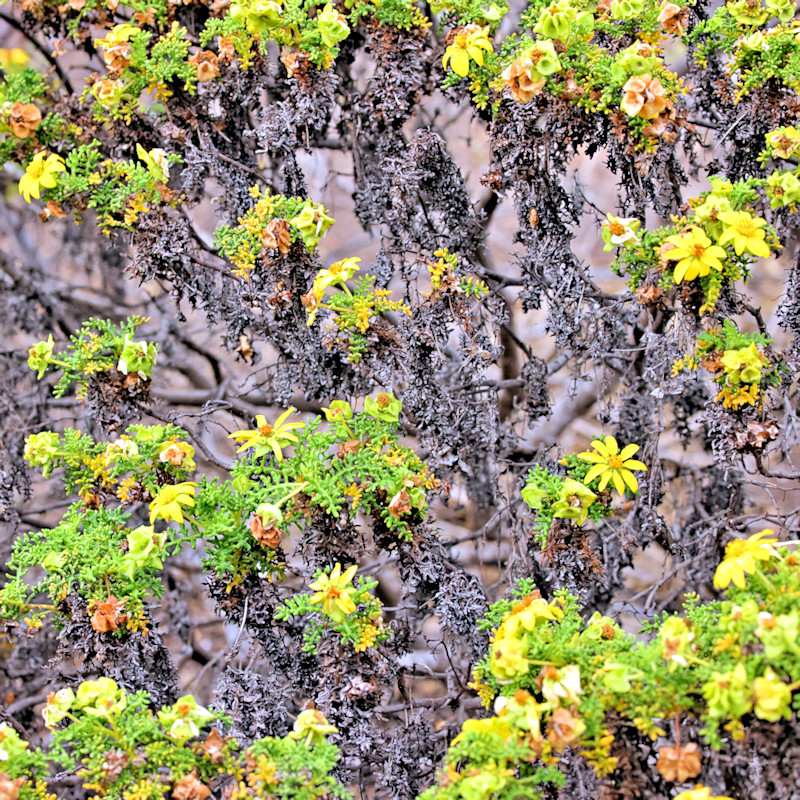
(695, 254)
(611, 464)
(741, 556)
(746, 232)
(469, 43)
(168, 503)
(40, 174)
(340, 271)
(266, 436)
(334, 592)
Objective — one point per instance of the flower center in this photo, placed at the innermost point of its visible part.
(699, 250)
(616, 228)
(615, 462)
(746, 228)
(461, 41)
(265, 430)
(383, 400)
(735, 548)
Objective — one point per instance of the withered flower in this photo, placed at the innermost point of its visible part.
(189, 788)
(400, 504)
(117, 56)
(268, 536)
(347, 447)
(517, 77)
(206, 63)
(277, 236)
(9, 789)
(679, 763)
(644, 97)
(673, 18)
(564, 729)
(113, 764)
(213, 747)
(52, 209)
(108, 616)
(24, 119)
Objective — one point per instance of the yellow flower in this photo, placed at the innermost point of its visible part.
(699, 792)
(312, 726)
(508, 658)
(40, 174)
(469, 43)
(746, 232)
(527, 614)
(773, 697)
(368, 636)
(490, 725)
(267, 436)
(612, 465)
(695, 254)
(741, 557)
(12, 61)
(340, 271)
(334, 592)
(167, 504)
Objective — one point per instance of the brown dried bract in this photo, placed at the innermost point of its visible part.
(644, 97)
(113, 764)
(517, 76)
(673, 18)
(400, 504)
(52, 209)
(9, 789)
(213, 747)
(756, 435)
(648, 295)
(349, 446)
(564, 729)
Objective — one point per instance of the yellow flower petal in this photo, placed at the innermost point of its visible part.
(630, 480)
(632, 463)
(628, 451)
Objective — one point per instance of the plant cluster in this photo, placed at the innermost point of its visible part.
(355, 311)
(93, 550)
(584, 491)
(121, 749)
(356, 466)
(738, 363)
(313, 582)
(351, 611)
(273, 223)
(557, 680)
(99, 346)
(716, 244)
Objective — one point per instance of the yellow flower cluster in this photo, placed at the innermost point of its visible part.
(510, 643)
(743, 395)
(695, 251)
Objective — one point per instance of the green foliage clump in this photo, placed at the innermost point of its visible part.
(99, 346)
(355, 466)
